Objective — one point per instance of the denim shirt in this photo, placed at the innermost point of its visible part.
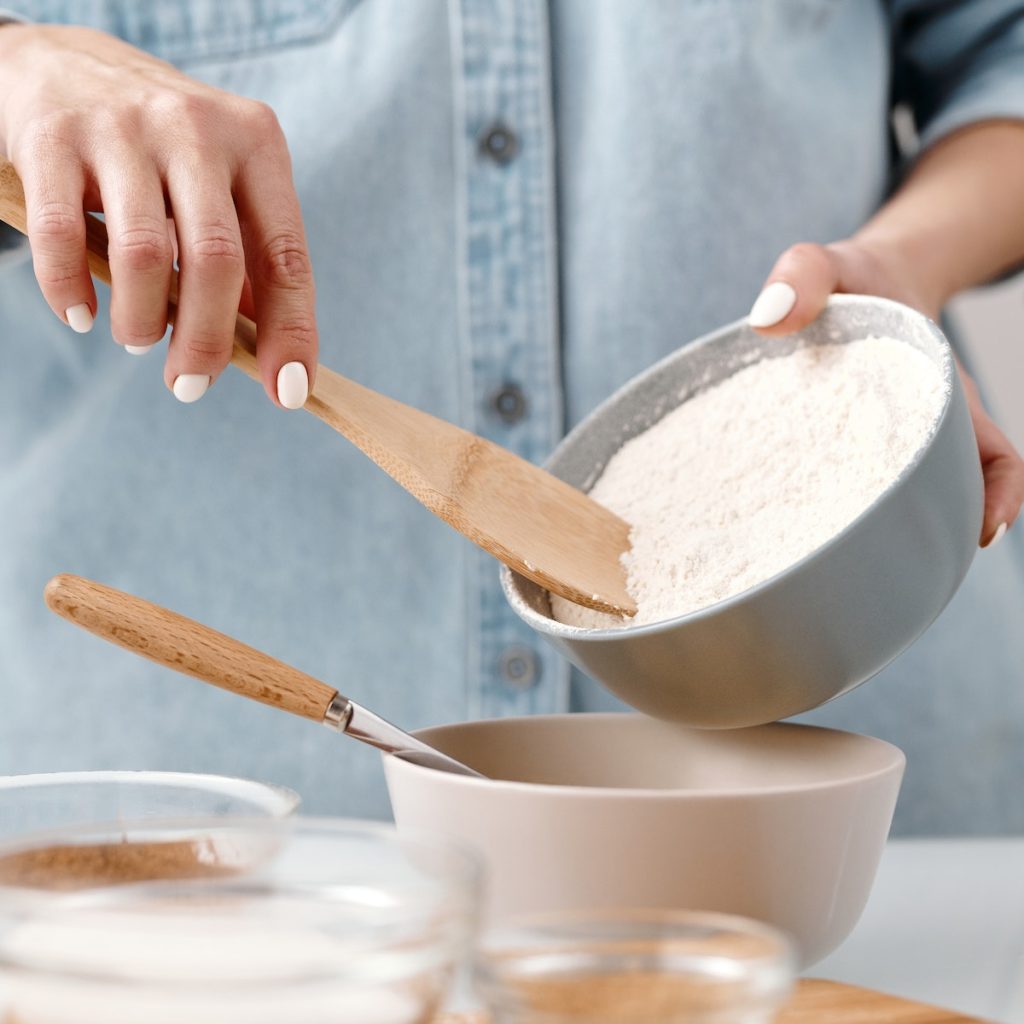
(513, 206)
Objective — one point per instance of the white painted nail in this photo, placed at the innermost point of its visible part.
(79, 318)
(997, 536)
(190, 387)
(772, 305)
(139, 350)
(292, 385)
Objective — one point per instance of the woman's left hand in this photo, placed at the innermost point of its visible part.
(795, 293)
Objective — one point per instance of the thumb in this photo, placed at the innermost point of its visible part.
(796, 290)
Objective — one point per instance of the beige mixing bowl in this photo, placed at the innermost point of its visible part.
(782, 823)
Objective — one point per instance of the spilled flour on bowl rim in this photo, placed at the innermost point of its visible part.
(748, 477)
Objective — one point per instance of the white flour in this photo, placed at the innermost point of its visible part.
(748, 477)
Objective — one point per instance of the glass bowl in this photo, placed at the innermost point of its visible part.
(345, 923)
(634, 967)
(77, 829)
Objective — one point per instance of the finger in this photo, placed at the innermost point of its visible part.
(211, 269)
(279, 267)
(1004, 494)
(247, 304)
(1003, 470)
(139, 249)
(796, 290)
(173, 236)
(54, 192)
(1001, 466)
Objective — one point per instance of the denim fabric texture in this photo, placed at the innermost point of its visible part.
(513, 206)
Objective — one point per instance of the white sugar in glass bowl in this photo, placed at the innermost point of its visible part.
(343, 923)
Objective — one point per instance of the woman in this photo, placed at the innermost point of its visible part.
(510, 209)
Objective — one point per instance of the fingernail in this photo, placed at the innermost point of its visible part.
(139, 350)
(190, 387)
(292, 385)
(79, 318)
(997, 536)
(772, 305)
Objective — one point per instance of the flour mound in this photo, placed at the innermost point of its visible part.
(750, 476)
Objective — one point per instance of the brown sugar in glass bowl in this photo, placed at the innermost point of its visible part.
(75, 830)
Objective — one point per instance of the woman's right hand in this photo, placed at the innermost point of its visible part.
(92, 123)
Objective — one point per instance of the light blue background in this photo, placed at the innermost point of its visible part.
(667, 153)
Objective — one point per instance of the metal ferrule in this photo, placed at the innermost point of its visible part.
(338, 713)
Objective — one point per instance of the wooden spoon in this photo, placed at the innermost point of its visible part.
(534, 523)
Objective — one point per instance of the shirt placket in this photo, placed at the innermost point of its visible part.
(507, 269)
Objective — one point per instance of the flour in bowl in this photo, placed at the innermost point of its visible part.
(746, 478)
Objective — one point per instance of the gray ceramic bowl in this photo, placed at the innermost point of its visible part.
(826, 624)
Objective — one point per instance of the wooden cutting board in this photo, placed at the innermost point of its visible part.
(828, 1002)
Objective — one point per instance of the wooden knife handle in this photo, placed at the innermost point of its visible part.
(179, 643)
(12, 211)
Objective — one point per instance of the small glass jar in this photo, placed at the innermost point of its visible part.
(634, 967)
(340, 923)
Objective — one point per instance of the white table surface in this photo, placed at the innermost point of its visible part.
(944, 925)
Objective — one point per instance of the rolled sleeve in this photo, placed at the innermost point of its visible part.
(957, 62)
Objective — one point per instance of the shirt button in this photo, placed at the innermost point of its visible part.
(500, 144)
(520, 667)
(509, 403)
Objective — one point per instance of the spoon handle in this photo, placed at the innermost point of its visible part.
(179, 643)
(186, 646)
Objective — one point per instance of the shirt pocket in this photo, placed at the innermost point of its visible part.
(186, 31)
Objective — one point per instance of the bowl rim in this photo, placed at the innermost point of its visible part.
(283, 799)
(563, 631)
(896, 761)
